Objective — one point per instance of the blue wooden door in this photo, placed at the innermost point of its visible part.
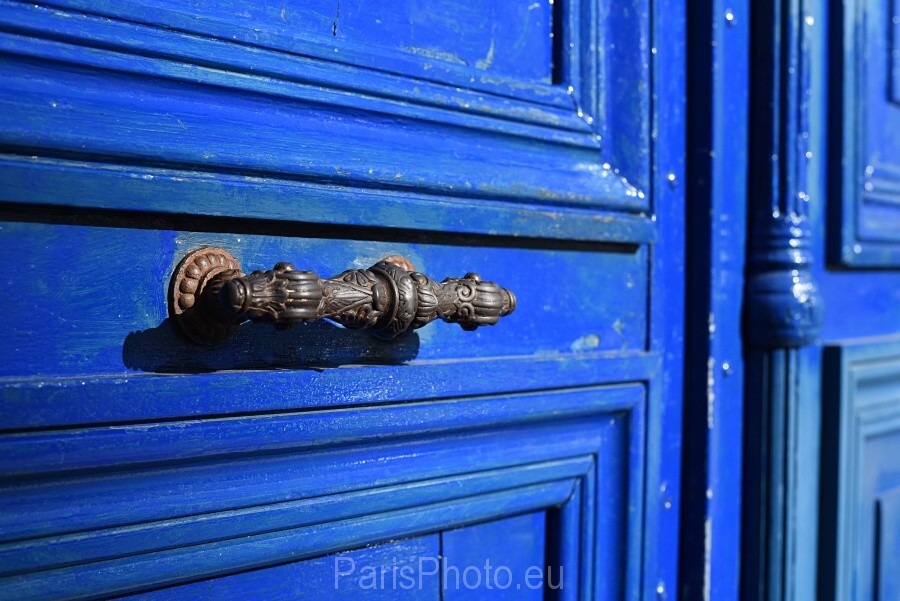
(821, 308)
(860, 442)
(537, 143)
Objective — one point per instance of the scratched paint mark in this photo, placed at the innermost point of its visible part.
(707, 558)
(337, 15)
(436, 55)
(485, 63)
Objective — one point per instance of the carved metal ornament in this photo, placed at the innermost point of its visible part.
(210, 297)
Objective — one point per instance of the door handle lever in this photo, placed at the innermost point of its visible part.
(209, 297)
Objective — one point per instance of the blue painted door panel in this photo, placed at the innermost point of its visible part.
(405, 568)
(249, 492)
(537, 143)
(86, 340)
(513, 139)
(861, 471)
(504, 554)
(865, 228)
(888, 549)
(501, 39)
(859, 439)
(502, 559)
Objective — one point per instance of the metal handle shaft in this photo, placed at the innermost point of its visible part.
(210, 297)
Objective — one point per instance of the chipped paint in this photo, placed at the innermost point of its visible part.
(587, 342)
(486, 62)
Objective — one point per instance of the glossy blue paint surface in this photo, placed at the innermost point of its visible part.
(717, 205)
(117, 326)
(667, 302)
(866, 110)
(558, 159)
(854, 429)
(784, 310)
(508, 39)
(854, 109)
(860, 470)
(532, 142)
(243, 507)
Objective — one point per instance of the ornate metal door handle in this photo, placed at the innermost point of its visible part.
(209, 297)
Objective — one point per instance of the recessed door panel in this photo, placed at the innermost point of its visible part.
(865, 224)
(491, 100)
(111, 510)
(861, 470)
(888, 550)
(403, 568)
(504, 559)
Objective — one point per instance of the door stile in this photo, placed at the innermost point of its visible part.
(718, 42)
(782, 306)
